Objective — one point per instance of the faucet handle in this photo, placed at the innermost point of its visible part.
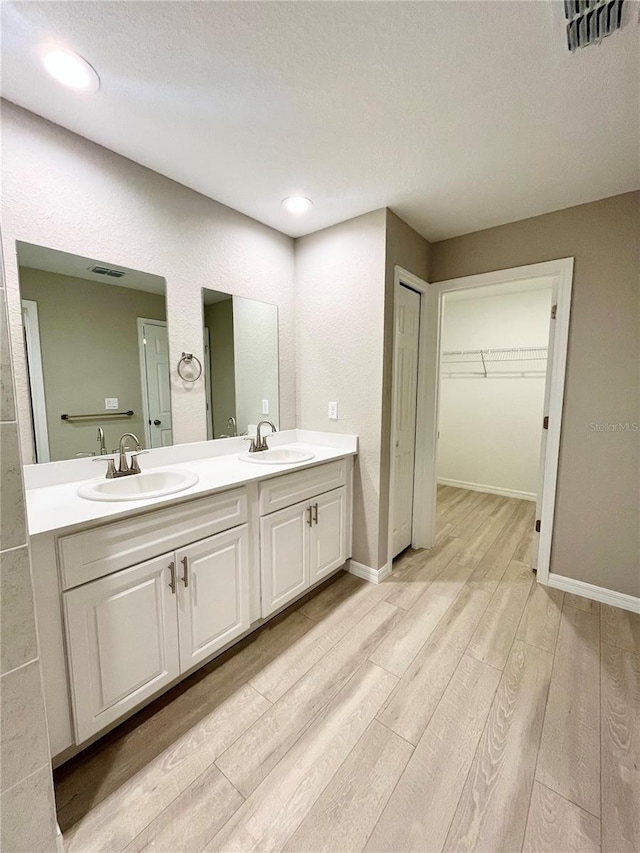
(252, 447)
(111, 468)
(134, 467)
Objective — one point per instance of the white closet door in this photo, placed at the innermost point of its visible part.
(535, 547)
(213, 584)
(405, 389)
(122, 633)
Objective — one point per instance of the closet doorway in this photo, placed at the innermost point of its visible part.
(493, 367)
(489, 394)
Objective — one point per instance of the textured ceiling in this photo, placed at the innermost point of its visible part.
(457, 115)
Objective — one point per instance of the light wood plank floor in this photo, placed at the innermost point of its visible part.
(458, 706)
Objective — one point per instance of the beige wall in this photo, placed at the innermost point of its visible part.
(62, 191)
(597, 511)
(219, 318)
(344, 292)
(407, 249)
(89, 344)
(340, 320)
(27, 810)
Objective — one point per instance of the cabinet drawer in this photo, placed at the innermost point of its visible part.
(289, 489)
(94, 553)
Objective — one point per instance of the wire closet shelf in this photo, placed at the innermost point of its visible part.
(505, 362)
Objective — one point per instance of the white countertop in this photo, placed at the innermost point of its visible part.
(58, 507)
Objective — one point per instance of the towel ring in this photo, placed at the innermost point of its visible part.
(189, 358)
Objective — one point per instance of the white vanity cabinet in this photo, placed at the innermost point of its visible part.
(328, 534)
(284, 556)
(134, 631)
(307, 540)
(213, 594)
(122, 635)
(129, 606)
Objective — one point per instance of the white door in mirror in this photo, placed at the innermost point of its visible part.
(278, 456)
(150, 484)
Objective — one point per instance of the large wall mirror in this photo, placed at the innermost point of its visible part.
(97, 353)
(241, 363)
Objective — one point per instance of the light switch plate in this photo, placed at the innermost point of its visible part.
(110, 403)
(333, 411)
(265, 407)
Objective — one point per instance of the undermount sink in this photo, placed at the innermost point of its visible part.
(136, 487)
(278, 456)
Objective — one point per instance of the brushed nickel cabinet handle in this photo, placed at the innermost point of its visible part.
(172, 582)
(185, 573)
(315, 513)
(309, 511)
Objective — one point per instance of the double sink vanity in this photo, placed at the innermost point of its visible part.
(139, 580)
(145, 567)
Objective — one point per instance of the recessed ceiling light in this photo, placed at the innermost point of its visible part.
(297, 204)
(70, 69)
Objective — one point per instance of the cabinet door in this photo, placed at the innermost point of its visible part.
(213, 593)
(328, 535)
(284, 550)
(122, 633)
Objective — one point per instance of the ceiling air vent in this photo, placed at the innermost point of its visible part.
(589, 21)
(107, 271)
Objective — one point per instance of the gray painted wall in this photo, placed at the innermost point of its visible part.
(340, 323)
(219, 318)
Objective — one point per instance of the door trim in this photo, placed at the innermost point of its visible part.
(562, 271)
(144, 385)
(421, 496)
(36, 380)
(208, 402)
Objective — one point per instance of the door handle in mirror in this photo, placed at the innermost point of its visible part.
(157, 422)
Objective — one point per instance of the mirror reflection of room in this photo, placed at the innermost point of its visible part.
(241, 363)
(97, 354)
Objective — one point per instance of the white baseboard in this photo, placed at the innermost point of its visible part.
(595, 593)
(367, 573)
(492, 490)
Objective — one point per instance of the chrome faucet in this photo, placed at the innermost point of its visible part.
(101, 443)
(231, 423)
(124, 469)
(258, 444)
